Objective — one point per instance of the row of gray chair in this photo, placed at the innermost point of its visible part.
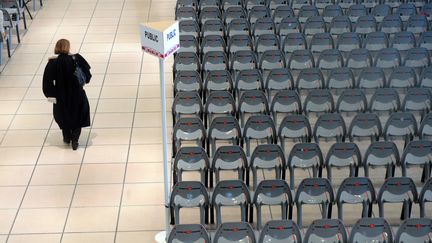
(321, 230)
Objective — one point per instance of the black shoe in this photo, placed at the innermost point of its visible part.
(66, 140)
(75, 145)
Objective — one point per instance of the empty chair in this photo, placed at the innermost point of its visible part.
(398, 190)
(330, 126)
(400, 124)
(186, 61)
(417, 24)
(369, 3)
(417, 99)
(294, 127)
(426, 78)
(252, 102)
(403, 41)
(345, 4)
(314, 25)
(304, 156)
(206, 3)
(212, 43)
(238, 27)
(426, 40)
(278, 79)
(339, 25)
(393, 3)
(190, 159)
(240, 42)
(183, 233)
(403, 77)
(263, 26)
(185, 13)
(280, 231)
(417, 153)
(321, 42)
(189, 27)
(213, 27)
(330, 12)
(427, 9)
(417, 58)
(348, 41)
(375, 41)
(230, 193)
(267, 42)
(307, 11)
(243, 60)
(356, 190)
(365, 125)
(187, 81)
(351, 100)
(249, 4)
(209, 13)
(234, 232)
(425, 130)
(189, 194)
(294, 41)
(259, 127)
(425, 197)
(215, 60)
(391, 24)
(274, 4)
(270, 60)
(365, 24)
(371, 230)
(281, 12)
(359, 58)
(340, 78)
(371, 78)
(266, 157)
(289, 25)
(355, 11)
(315, 191)
(417, 3)
(330, 59)
(188, 129)
(186, 104)
(388, 58)
(257, 12)
(380, 11)
(228, 158)
(414, 230)
(326, 230)
(285, 102)
(297, 4)
(229, 3)
(301, 59)
(322, 4)
(273, 193)
(319, 101)
(188, 43)
(309, 79)
(218, 103)
(234, 12)
(405, 10)
(248, 80)
(385, 100)
(189, 3)
(223, 128)
(381, 154)
(217, 80)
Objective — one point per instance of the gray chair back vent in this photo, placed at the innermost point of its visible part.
(304, 156)
(191, 159)
(381, 154)
(326, 230)
(234, 232)
(414, 230)
(343, 155)
(371, 230)
(280, 231)
(188, 233)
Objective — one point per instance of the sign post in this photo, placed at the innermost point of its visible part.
(161, 39)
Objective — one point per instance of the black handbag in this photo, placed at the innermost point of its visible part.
(79, 73)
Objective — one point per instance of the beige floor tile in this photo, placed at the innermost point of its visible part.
(101, 173)
(12, 196)
(24, 138)
(116, 105)
(152, 105)
(9, 107)
(7, 217)
(143, 194)
(126, 47)
(96, 47)
(19, 155)
(149, 136)
(112, 120)
(48, 197)
(55, 137)
(99, 38)
(126, 67)
(97, 195)
(151, 119)
(102, 29)
(106, 154)
(88, 238)
(136, 237)
(60, 155)
(131, 218)
(55, 175)
(144, 172)
(35, 107)
(34, 94)
(12, 93)
(46, 220)
(128, 57)
(93, 57)
(92, 219)
(145, 153)
(15, 175)
(15, 80)
(121, 79)
(31, 122)
(110, 136)
(35, 238)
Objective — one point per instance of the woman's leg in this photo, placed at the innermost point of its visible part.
(66, 136)
(75, 137)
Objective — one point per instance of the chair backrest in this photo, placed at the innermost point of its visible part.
(426, 77)
(243, 60)
(425, 130)
(371, 78)
(417, 153)
(417, 57)
(279, 79)
(326, 230)
(281, 12)
(187, 81)
(365, 24)
(348, 41)
(391, 24)
(305, 155)
(184, 233)
(310, 78)
(230, 193)
(220, 102)
(386, 99)
(249, 79)
(286, 101)
(185, 13)
(340, 78)
(213, 27)
(331, 11)
(279, 231)
(259, 127)
(371, 230)
(189, 27)
(355, 11)
(343, 154)
(356, 190)
(403, 77)
(380, 11)
(321, 42)
(267, 156)
(253, 101)
(233, 12)
(272, 192)
(314, 25)
(352, 100)
(189, 128)
(294, 41)
(403, 41)
(234, 232)
(340, 24)
(400, 124)
(187, 103)
(215, 60)
(239, 42)
(186, 61)
(239, 26)
(414, 230)
(330, 126)
(263, 26)
(388, 58)
(272, 59)
(359, 58)
(295, 127)
(228, 3)
(405, 10)
(289, 25)
(398, 189)
(381, 153)
(231, 157)
(213, 43)
(330, 59)
(365, 125)
(319, 100)
(417, 99)
(187, 194)
(218, 80)
(224, 127)
(191, 158)
(307, 11)
(426, 193)
(417, 24)
(376, 41)
(301, 59)
(425, 40)
(188, 43)
(258, 11)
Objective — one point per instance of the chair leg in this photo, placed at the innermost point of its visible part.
(259, 217)
(340, 211)
(24, 20)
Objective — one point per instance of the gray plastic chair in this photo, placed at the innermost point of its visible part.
(281, 11)
(243, 60)
(219, 103)
(321, 42)
(400, 124)
(307, 11)
(297, 4)
(425, 130)
(186, 233)
(318, 101)
(391, 24)
(425, 40)
(393, 3)
(380, 11)
(371, 230)
(365, 24)
(233, 12)
(289, 25)
(234, 232)
(370, 4)
(188, 43)
(375, 41)
(340, 24)
(330, 126)
(294, 41)
(224, 128)
(296, 128)
(340, 79)
(426, 78)
(266, 42)
(285, 102)
(414, 230)
(228, 3)
(425, 197)
(257, 12)
(405, 10)
(330, 59)
(230, 193)
(189, 27)
(228, 158)
(398, 190)
(278, 79)
(186, 104)
(305, 156)
(345, 4)
(322, 4)
(385, 100)
(365, 125)
(355, 11)
(214, 60)
(343, 155)
(381, 154)
(252, 102)
(274, 4)
(188, 129)
(248, 80)
(348, 41)
(260, 128)
(212, 43)
(190, 159)
(213, 27)
(359, 58)
(218, 80)
(388, 58)
(314, 25)
(417, 153)
(417, 24)
(209, 13)
(189, 194)
(301, 59)
(186, 61)
(371, 78)
(249, 4)
(356, 190)
(239, 27)
(417, 57)
(352, 101)
(272, 193)
(403, 41)
(239, 42)
(270, 60)
(280, 231)
(263, 26)
(187, 81)
(403, 78)
(417, 100)
(326, 230)
(186, 13)
(266, 157)
(310, 79)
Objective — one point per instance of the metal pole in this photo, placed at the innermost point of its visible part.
(165, 148)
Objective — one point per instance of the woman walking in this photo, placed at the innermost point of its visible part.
(71, 107)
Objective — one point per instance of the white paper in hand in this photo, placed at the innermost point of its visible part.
(52, 100)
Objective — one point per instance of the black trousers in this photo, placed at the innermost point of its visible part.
(71, 134)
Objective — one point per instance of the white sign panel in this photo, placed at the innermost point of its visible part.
(160, 38)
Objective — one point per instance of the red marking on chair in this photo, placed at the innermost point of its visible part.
(372, 226)
(418, 226)
(357, 184)
(235, 229)
(189, 188)
(280, 228)
(187, 232)
(189, 124)
(326, 226)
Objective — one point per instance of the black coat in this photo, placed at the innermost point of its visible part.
(72, 108)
